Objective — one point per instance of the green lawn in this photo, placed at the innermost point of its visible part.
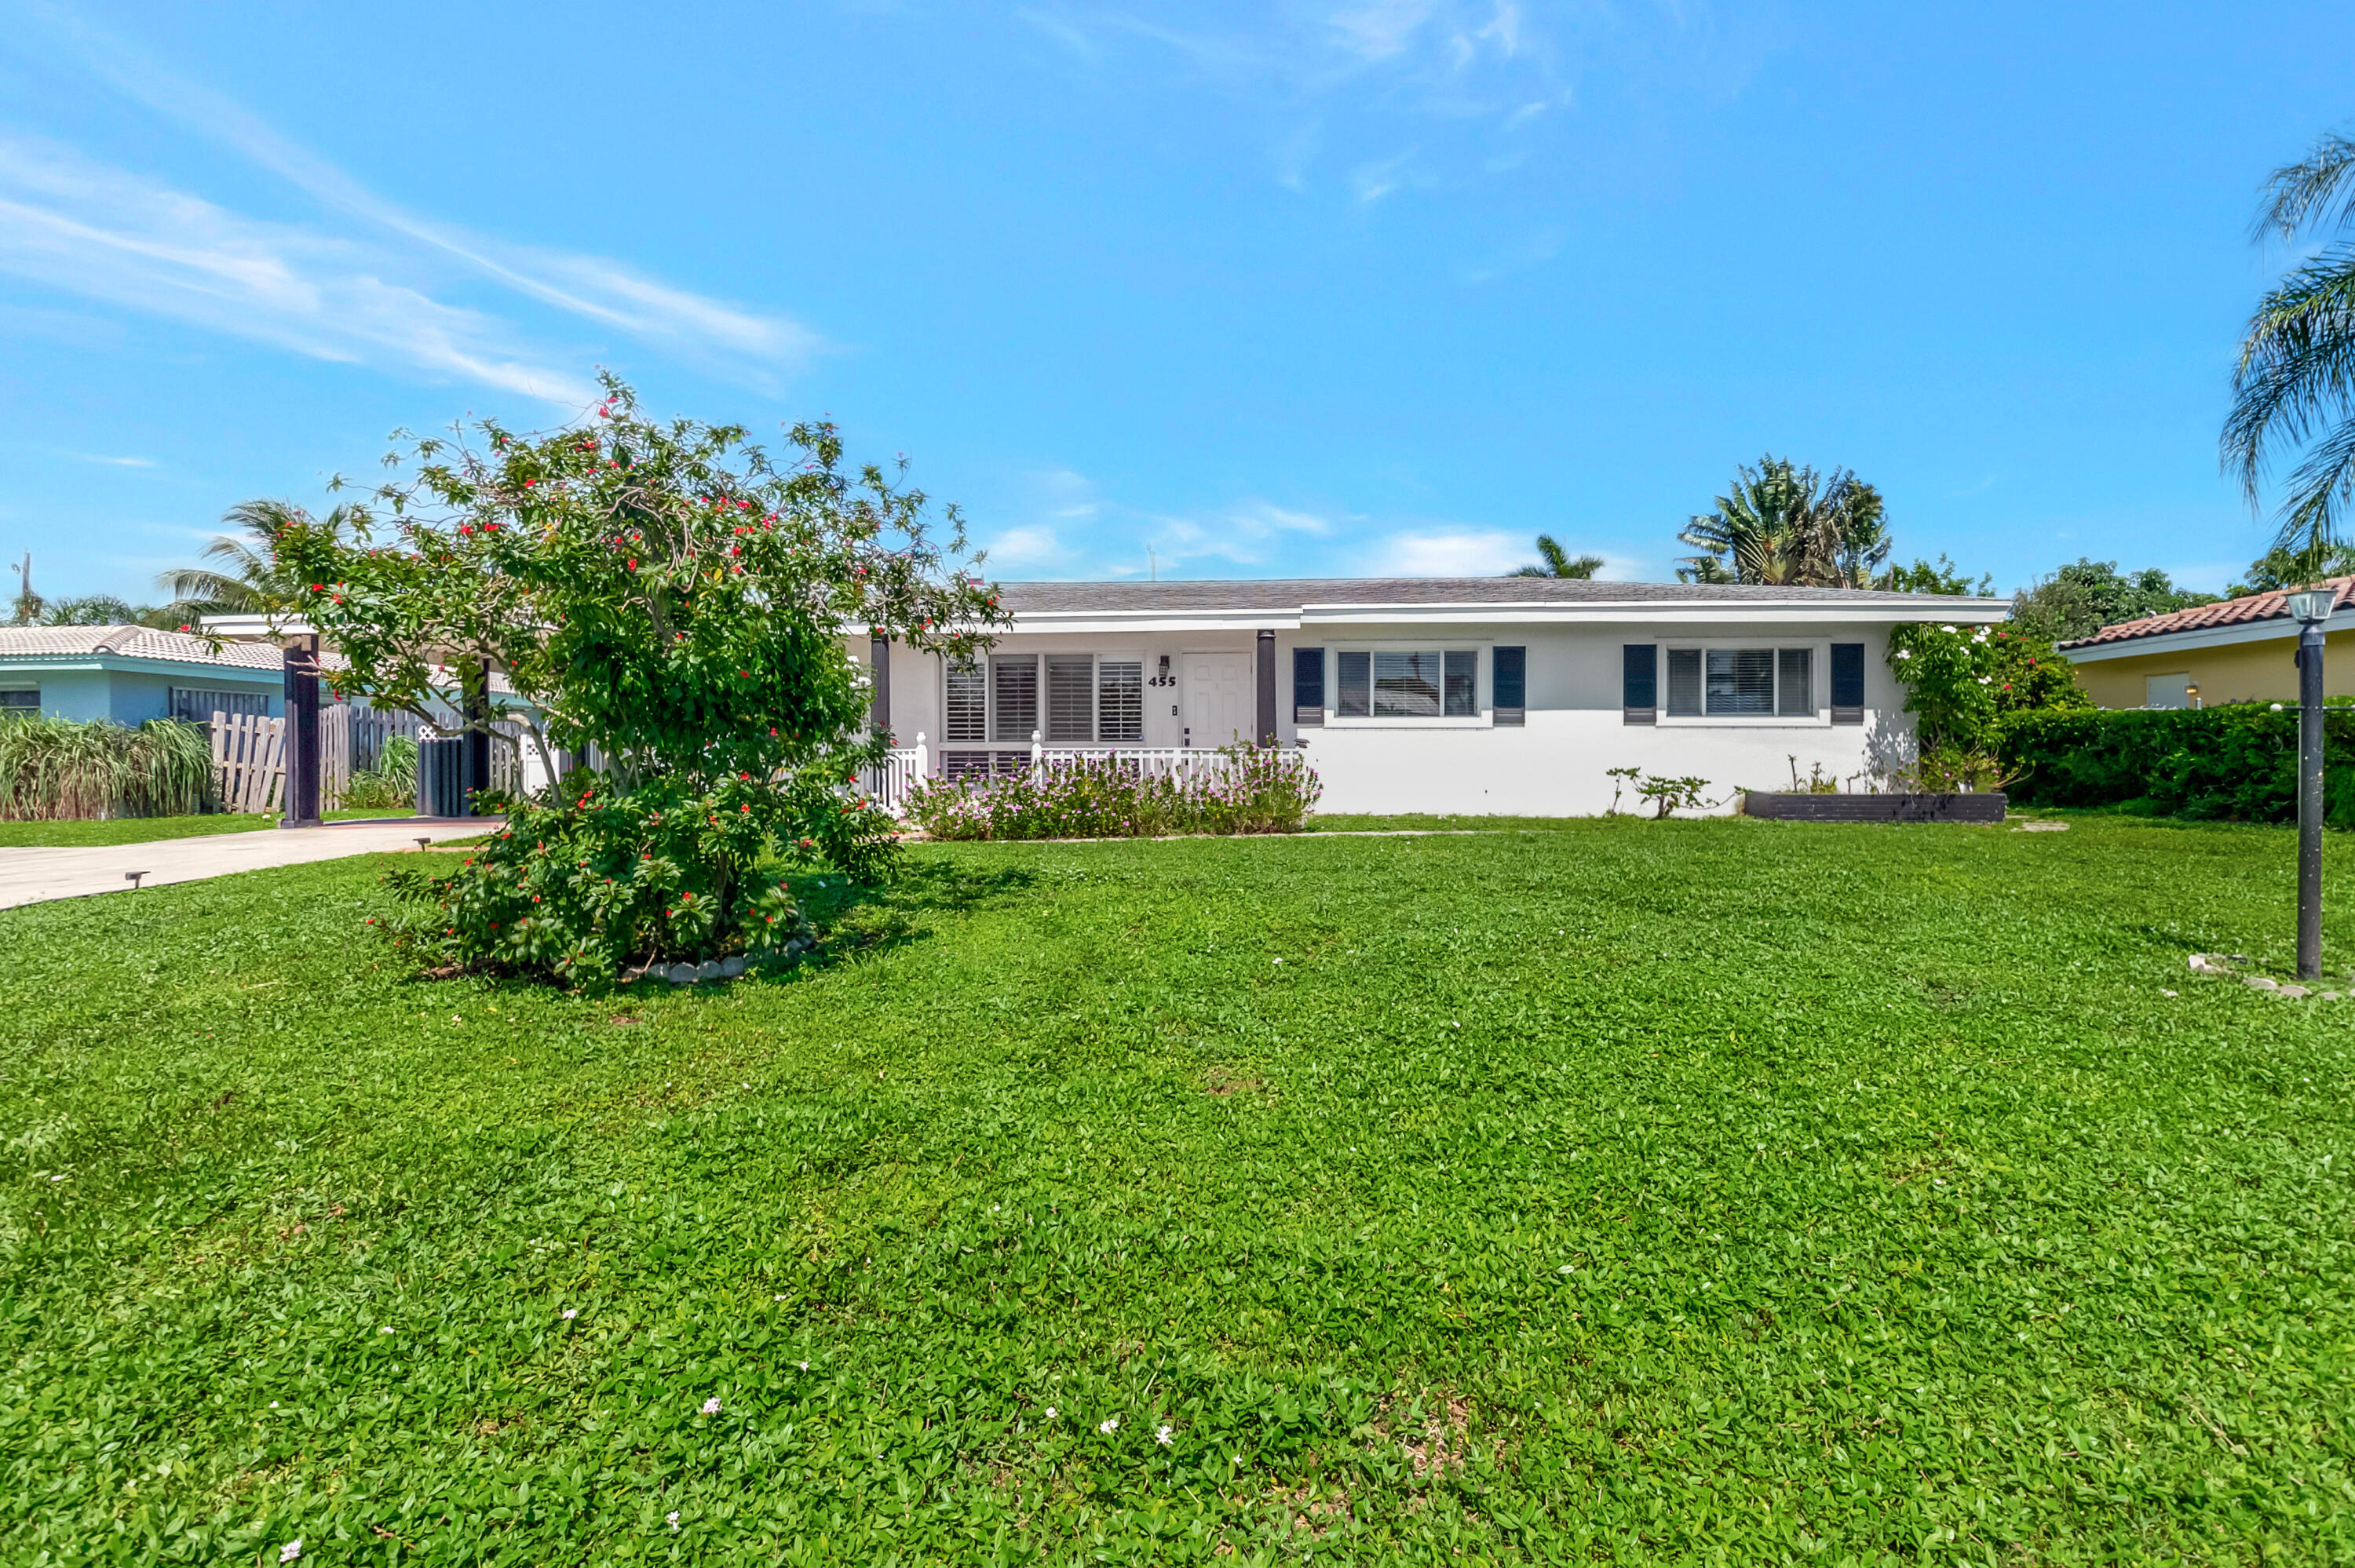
(147, 830)
(1629, 1191)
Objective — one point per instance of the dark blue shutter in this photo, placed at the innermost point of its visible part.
(1511, 681)
(1639, 696)
(1847, 682)
(1307, 685)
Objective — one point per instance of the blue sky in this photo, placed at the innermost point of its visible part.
(1363, 286)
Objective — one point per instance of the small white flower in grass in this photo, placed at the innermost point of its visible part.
(672, 1519)
(387, 1330)
(776, 1298)
(1050, 1413)
(2164, 991)
(291, 1551)
(570, 1313)
(1565, 1269)
(711, 1405)
(804, 1365)
(1109, 1424)
(1162, 1436)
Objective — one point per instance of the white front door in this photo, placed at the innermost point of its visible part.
(1218, 698)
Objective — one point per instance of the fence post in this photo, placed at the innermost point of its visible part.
(923, 758)
(1037, 757)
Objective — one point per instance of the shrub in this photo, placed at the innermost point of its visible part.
(1960, 682)
(391, 783)
(584, 888)
(667, 594)
(2235, 762)
(1251, 790)
(54, 770)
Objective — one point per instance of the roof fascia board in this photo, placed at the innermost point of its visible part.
(1617, 612)
(2273, 629)
(133, 665)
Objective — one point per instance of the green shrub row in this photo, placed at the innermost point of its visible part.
(2235, 762)
(55, 770)
(1251, 789)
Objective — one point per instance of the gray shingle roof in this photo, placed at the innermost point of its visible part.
(1295, 593)
(134, 642)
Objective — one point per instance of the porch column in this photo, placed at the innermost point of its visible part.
(299, 661)
(478, 736)
(1266, 729)
(879, 711)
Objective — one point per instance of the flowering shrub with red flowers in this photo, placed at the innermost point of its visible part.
(604, 879)
(668, 595)
(1958, 680)
(1245, 790)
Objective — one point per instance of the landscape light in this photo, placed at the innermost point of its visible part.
(2311, 605)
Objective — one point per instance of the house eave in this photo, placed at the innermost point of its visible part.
(2273, 629)
(1605, 612)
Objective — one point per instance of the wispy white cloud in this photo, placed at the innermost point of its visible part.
(82, 228)
(282, 284)
(115, 461)
(1468, 553)
(1474, 83)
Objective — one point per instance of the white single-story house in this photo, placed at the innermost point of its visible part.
(134, 674)
(1471, 696)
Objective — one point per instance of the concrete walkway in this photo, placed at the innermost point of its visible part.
(37, 876)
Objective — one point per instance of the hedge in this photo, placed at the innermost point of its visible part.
(2235, 762)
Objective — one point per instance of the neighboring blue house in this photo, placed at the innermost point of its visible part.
(131, 673)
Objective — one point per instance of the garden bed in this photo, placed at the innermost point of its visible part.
(1984, 806)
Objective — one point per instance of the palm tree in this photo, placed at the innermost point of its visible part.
(2295, 375)
(1558, 562)
(250, 576)
(1782, 523)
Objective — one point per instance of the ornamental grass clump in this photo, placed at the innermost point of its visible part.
(55, 770)
(1250, 789)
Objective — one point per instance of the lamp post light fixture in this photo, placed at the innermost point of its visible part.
(2310, 608)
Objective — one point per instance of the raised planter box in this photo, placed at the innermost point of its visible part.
(1985, 807)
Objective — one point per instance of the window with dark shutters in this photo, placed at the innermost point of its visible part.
(1639, 684)
(1510, 680)
(1307, 685)
(1847, 682)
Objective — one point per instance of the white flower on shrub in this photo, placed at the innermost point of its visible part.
(1905, 652)
(1109, 1425)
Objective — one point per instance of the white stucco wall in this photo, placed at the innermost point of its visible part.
(1552, 765)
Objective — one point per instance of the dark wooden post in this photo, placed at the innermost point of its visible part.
(1266, 688)
(880, 708)
(478, 735)
(300, 662)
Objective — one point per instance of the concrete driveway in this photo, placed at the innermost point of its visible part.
(37, 876)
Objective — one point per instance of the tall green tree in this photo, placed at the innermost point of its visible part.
(2282, 569)
(1558, 562)
(1780, 523)
(248, 576)
(2080, 598)
(2294, 383)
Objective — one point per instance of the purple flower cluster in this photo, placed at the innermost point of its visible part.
(1242, 789)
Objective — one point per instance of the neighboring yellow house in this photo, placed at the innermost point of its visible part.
(2238, 651)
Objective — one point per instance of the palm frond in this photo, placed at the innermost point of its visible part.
(2295, 373)
(2299, 194)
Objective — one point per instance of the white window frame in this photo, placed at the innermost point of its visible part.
(1818, 717)
(1484, 714)
(1097, 658)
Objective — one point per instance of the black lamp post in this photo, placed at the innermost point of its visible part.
(2311, 607)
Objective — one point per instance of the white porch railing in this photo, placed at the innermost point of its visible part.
(891, 784)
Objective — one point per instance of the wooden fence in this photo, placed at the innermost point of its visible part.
(249, 761)
(249, 754)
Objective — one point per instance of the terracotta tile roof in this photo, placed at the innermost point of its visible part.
(2207, 617)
